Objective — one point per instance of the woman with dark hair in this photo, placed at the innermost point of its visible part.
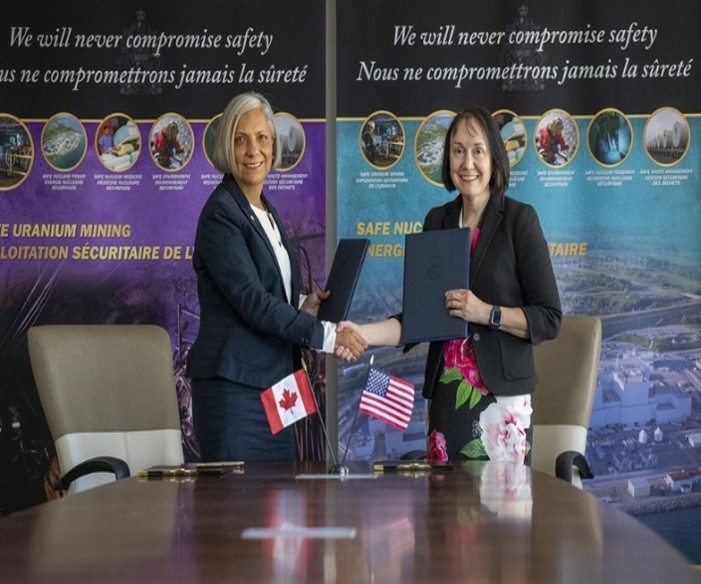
(479, 387)
(253, 318)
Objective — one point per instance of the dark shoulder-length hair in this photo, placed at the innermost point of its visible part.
(223, 152)
(499, 181)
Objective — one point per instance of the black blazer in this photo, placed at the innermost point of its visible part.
(249, 332)
(510, 267)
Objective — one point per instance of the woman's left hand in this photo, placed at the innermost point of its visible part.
(464, 304)
(313, 301)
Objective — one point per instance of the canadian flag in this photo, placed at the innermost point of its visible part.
(289, 400)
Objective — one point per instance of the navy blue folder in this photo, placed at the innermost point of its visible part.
(434, 262)
(343, 277)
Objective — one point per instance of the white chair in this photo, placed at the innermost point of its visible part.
(108, 393)
(567, 368)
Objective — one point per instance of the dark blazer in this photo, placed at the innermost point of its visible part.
(249, 332)
(510, 267)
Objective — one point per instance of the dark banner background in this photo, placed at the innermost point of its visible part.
(377, 35)
(297, 31)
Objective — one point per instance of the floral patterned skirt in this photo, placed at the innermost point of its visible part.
(466, 421)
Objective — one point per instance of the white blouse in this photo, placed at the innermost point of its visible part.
(283, 260)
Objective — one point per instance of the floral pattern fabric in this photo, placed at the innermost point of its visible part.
(504, 426)
(466, 420)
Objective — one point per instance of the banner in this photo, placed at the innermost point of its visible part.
(107, 118)
(596, 105)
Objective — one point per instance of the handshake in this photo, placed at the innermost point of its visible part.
(351, 338)
(350, 343)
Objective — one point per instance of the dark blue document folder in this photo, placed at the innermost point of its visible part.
(343, 277)
(434, 262)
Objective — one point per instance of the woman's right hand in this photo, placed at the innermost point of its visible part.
(350, 344)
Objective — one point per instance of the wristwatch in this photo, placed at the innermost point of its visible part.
(495, 317)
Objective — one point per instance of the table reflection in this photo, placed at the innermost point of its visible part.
(487, 522)
(505, 489)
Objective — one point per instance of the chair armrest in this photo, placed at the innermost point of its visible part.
(567, 460)
(116, 466)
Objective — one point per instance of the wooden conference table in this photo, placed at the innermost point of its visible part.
(483, 522)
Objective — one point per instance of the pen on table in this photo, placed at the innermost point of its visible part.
(402, 466)
(223, 463)
(168, 472)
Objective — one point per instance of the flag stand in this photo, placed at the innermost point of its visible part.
(338, 469)
(355, 417)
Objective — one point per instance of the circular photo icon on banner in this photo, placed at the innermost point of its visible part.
(171, 142)
(667, 136)
(429, 143)
(16, 152)
(209, 133)
(513, 133)
(293, 140)
(64, 142)
(556, 138)
(118, 142)
(610, 137)
(382, 140)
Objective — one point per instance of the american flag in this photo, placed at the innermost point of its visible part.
(387, 398)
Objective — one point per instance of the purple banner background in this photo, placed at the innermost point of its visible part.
(145, 207)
